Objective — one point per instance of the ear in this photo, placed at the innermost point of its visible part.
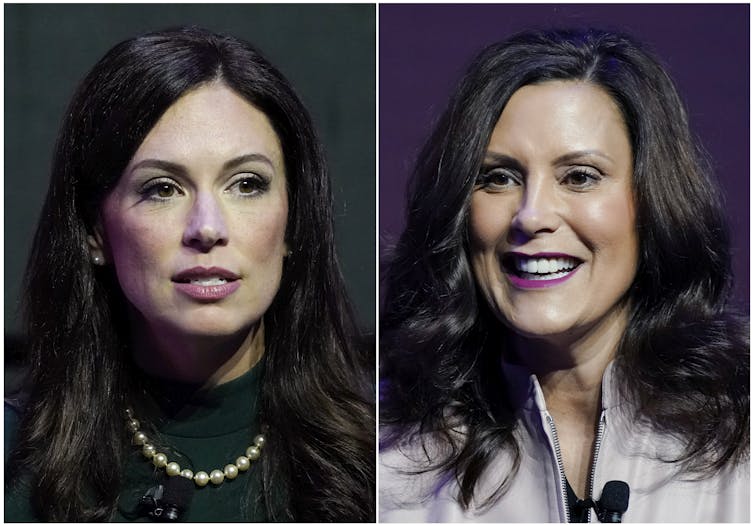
(96, 246)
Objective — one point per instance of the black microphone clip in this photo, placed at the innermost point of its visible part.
(166, 502)
(614, 501)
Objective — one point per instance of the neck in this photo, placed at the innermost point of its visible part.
(570, 368)
(206, 361)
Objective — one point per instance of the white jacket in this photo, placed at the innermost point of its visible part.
(624, 451)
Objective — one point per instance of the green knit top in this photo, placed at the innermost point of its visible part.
(202, 431)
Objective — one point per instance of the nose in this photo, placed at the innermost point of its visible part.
(205, 227)
(537, 212)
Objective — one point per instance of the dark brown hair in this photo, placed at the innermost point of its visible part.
(317, 396)
(684, 358)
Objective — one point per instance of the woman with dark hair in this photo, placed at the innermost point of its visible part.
(192, 348)
(556, 336)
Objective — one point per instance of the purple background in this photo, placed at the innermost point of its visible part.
(424, 50)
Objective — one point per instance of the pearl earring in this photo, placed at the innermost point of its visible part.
(97, 260)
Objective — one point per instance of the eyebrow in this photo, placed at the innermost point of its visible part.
(180, 169)
(501, 158)
(505, 160)
(572, 156)
(249, 157)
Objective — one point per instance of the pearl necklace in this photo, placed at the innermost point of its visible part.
(200, 478)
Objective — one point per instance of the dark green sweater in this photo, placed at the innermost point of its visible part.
(208, 430)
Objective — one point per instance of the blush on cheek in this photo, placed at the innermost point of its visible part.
(611, 221)
(485, 224)
(126, 230)
(267, 235)
(136, 241)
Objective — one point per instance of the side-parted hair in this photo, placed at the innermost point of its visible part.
(684, 358)
(317, 396)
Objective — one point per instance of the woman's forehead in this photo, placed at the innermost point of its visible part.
(555, 118)
(208, 128)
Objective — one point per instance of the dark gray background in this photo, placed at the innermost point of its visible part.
(326, 51)
(424, 50)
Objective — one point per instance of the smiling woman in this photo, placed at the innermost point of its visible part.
(555, 193)
(556, 337)
(193, 355)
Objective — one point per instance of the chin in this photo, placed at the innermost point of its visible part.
(540, 331)
(212, 326)
(538, 325)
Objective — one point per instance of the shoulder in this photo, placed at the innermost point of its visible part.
(662, 490)
(408, 483)
(412, 487)
(724, 497)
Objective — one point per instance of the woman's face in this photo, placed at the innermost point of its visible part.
(195, 227)
(552, 221)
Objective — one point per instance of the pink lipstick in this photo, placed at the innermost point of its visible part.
(207, 284)
(523, 283)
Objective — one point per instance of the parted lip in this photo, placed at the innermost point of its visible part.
(184, 276)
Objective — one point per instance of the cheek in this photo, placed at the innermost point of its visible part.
(137, 249)
(263, 233)
(488, 227)
(140, 260)
(488, 223)
(612, 226)
(143, 239)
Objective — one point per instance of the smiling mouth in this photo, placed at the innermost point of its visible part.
(539, 267)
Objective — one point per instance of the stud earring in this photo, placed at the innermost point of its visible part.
(97, 260)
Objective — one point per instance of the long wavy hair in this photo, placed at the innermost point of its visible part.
(317, 396)
(684, 358)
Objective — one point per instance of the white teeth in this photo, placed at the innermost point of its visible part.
(208, 282)
(544, 266)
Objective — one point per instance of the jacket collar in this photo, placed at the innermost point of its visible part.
(526, 393)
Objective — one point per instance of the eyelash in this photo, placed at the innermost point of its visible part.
(150, 190)
(259, 184)
(486, 179)
(590, 178)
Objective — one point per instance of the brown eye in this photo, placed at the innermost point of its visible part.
(165, 190)
(498, 179)
(160, 190)
(249, 186)
(246, 186)
(578, 178)
(581, 179)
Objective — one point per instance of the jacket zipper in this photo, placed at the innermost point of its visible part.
(597, 444)
(561, 470)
